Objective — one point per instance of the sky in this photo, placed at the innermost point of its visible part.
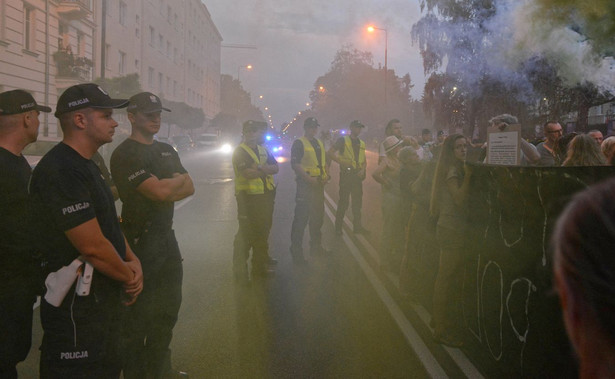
(296, 42)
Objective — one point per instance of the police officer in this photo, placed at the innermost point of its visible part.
(18, 127)
(349, 153)
(150, 178)
(76, 220)
(308, 160)
(254, 168)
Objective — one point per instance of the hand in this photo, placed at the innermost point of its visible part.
(134, 287)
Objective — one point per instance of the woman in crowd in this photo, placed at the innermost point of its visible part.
(449, 202)
(608, 150)
(584, 151)
(584, 267)
(392, 237)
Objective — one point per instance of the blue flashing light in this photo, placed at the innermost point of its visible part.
(268, 137)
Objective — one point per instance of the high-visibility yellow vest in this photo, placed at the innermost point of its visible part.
(309, 162)
(348, 155)
(254, 186)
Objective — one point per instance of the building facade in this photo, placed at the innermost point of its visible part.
(173, 46)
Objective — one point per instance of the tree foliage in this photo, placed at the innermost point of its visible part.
(121, 87)
(235, 106)
(353, 89)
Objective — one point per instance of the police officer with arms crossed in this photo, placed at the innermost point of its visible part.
(254, 168)
(18, 268)
(150, 178)
(311, 166)
(75, 217)
(349, 152)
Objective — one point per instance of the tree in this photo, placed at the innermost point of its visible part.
(353, 89)
(121, 87)
(235, 106)
(183, 115)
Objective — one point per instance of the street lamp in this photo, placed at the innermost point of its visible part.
(248, 67)
(371, 29)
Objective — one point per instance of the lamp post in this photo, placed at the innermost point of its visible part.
(371, 29)
(247, 67)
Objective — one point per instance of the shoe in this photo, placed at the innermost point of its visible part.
(447, 340)
(272, 262)
(360, 230)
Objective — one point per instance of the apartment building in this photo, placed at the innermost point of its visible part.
(47, 46)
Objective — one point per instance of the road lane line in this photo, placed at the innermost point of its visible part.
(429, 362)
(456, 355)
(183, 202)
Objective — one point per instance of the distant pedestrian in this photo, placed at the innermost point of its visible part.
(608, 150)
(77, 226)
(19, 269)
(584, 151)
(553, 132)
(150, 178)
(596, 135)
(255, 190)
(311, 166)
(349, 153)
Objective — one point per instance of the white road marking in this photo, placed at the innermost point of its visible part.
(416, 342)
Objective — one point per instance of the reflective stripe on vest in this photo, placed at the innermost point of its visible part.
(309, 162)
(348, 155)
(254, 186)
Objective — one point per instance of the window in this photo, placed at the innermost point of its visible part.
(150, 77)
(136, 64)
(168, 49)
(29, 22)
(122, 10)
(80, 45)
(107, 52)
(122, 63)
(169, 14)
(160, 41)
(160, 88)
(63, 40)
(152, 35)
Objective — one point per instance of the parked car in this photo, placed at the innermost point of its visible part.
(182, 142)
(35, 151)
(207, 140)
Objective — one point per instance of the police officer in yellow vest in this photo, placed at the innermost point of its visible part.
(309, 161)
(254, 168)
(349, 152)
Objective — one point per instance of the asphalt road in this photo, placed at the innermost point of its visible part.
(337, 317)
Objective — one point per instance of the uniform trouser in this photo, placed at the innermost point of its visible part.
(255, 216)
(150, 321)
(81, 337)
(447, 289)
(16, 336)
(309, 208)
(392, 240)
(351, 187)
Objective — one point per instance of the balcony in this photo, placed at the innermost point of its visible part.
(74, 9)
(71, 67)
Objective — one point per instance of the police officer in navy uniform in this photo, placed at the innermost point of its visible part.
(19, 125)
(150, 178)
(349, 153)
(75, 219)
(254, 168)
(311, 166)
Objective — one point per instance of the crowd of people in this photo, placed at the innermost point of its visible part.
(69, 200)
(110, 288)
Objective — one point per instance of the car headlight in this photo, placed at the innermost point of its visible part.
(226, 148)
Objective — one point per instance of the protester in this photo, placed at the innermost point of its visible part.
(255, 190)
(19, 125)
(608, 150)
(552, 131)
(76, 229)
(392, 237)
(449, 194)
(410, 170)
(562, 144)
(394, 128)
(584, 268)
(349, 153)
(311, 166)
(596, 135)
(426, 143)
(584, 151)
(529, 153)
